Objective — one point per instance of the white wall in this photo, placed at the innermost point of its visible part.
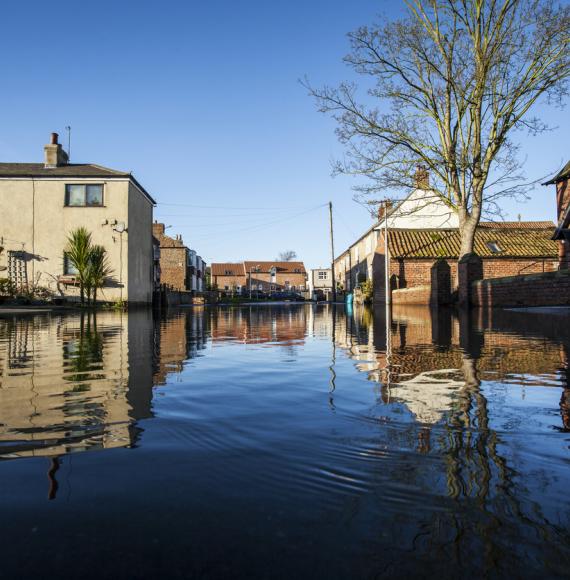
(422, 210)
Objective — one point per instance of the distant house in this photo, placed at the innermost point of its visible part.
(320, 282)
(562, 234)
(41, 203)
(263, 276)
(180, 267)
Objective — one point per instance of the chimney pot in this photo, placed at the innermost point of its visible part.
(54, 137)
(382, 209)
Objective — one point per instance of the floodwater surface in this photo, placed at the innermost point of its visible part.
(294, 441)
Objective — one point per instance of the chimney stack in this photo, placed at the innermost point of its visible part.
(54, 155)
(382, 209)
(422, 177)
(157, 229)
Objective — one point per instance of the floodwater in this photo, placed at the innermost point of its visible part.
(295, 441)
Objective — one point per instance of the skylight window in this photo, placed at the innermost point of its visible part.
(494, 247)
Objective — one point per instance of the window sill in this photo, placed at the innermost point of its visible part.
(85, 206)
(68, 280)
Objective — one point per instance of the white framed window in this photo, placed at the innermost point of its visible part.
(323, 275)
(85, 195)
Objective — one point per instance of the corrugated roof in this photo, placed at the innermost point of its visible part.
(283, 267)
(564, 173)
(221, 269)
(71, 170)
(524, 242)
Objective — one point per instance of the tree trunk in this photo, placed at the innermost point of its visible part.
(467, 233)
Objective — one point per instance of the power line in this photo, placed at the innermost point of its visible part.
(267, 224)
(230, 207)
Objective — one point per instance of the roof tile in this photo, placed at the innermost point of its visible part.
(522, 242)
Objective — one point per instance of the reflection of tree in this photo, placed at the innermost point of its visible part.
(485, 514)
(84, 352)
(476, 470)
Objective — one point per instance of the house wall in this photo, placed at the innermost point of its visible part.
(264, 279)
(140, 251)
(316, 283)
(422, 210)
(173, 267)
(34, 219)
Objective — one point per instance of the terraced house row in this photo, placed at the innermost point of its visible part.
(241, 277)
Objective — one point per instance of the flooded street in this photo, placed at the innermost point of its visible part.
(285, 441)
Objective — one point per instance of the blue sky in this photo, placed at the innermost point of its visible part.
(201, 101)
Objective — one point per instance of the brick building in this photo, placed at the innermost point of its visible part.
(421, 209)
(263, 276)
(180, 267)
(562, 234)
(424, 263)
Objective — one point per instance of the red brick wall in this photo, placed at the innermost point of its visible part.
(173, 267)
(549, 289)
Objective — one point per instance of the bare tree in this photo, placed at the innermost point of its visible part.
(450, 83)
(287, 256)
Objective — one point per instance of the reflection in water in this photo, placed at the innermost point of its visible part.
(437, 365)
(309, 440)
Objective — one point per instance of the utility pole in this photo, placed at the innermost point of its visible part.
(388, 296)
(332, 253)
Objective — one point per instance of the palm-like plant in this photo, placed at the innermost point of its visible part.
(98, 270)
(78, 253)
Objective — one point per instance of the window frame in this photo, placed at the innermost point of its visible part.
(66, 196)
(494, 247)
(66, 266)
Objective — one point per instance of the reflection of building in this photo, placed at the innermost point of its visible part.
(42, 203)
(283, 325)
(425, 366)
(179, 337)
(73, 383)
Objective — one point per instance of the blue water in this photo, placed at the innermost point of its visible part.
(286, 441)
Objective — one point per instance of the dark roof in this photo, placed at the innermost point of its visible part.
(522, 242)
(71, 170)
(564, 173)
